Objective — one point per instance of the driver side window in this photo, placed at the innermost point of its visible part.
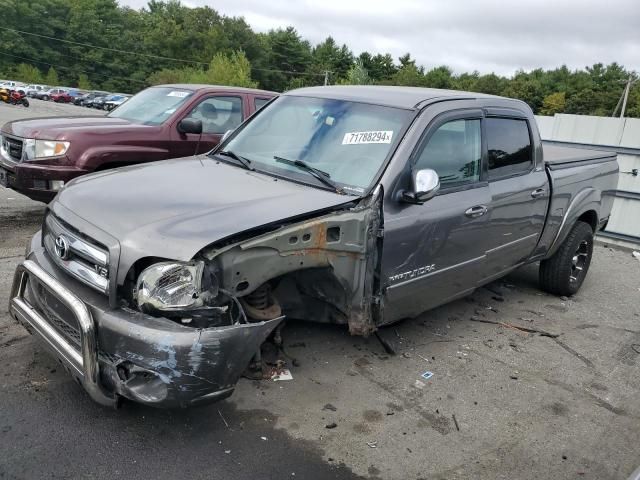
(454, 151)
(218, 114)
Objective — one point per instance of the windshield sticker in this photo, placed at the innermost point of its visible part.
(177, 93)
(360, 138)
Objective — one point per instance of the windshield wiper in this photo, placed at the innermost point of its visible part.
(321, 175)
(245, 162)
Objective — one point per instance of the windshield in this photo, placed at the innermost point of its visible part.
(152, 106)
(349, 141)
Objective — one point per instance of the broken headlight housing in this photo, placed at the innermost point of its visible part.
(171, 287)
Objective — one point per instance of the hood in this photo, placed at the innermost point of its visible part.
(65, 128)
(174, 208)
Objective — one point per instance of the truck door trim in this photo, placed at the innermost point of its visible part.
(432, 273)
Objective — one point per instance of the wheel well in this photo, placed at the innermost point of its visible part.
(590, 217)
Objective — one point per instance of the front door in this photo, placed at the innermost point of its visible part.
(218, 114)
(434, 252)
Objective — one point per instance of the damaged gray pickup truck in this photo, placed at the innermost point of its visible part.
(359, 206)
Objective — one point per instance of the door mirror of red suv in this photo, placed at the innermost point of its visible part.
(190, 125)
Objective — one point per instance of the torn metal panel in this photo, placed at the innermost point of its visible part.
(339, 249)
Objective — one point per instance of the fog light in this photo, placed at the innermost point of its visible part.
(56, 185)
(40, 184)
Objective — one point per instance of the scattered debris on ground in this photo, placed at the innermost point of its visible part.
(515, 327)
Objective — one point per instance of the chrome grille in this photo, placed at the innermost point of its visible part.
(83, 259)
(12, 148)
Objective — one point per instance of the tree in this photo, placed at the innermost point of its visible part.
(584, 102)
(491, 84)
(405, 60)
(327, 56)
(52, 77)
(169, 41)
(527, 89)
(289, 56)
(230, 70)
(83, 82)
(27, 73)
(439, 77)
(234, 70)
(554, 103)
(409, 75)
(357, 75)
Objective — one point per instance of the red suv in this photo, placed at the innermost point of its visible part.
(39, 156)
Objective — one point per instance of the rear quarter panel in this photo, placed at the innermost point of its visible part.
(576, 189)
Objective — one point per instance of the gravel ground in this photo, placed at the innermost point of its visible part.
(501, 404)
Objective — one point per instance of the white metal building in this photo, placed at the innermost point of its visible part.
(621, 135)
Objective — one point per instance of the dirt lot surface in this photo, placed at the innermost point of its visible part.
(504, 402)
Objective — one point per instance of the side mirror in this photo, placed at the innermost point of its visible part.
(425, 186)
(190, 125)
(226, 135)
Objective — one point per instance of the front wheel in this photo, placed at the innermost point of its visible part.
(564, 272)
(45, 98)
(25, 102)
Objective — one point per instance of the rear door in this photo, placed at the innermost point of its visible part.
(434, 252)
(218, 114)
(519, 191)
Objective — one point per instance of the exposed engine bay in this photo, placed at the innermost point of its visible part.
(319, 269)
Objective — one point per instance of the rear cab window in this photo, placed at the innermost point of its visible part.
(510, 151)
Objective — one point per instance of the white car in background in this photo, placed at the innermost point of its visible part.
(33, 90)
(10, 84)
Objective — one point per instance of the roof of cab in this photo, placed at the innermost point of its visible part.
(400, 97)
(218, 88)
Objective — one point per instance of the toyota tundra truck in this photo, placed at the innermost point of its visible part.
(353, 205)
(39, 156)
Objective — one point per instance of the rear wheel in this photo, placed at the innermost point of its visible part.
(45, 98)
(564, 272)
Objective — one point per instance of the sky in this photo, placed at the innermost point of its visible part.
(466, 35)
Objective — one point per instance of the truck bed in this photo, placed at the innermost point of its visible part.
(562, 157)
(581, 180)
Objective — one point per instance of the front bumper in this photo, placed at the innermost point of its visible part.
(33, 179)
(119, 352)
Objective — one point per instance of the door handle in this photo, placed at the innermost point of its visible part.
(476, 211)
(539, 192)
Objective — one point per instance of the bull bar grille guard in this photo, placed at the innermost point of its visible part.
(84, 363)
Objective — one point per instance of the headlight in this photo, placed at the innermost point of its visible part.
(44, 148)
(170, 286)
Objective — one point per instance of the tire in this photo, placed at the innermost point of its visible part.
(45, 98)
(25, 102)
(564, 272)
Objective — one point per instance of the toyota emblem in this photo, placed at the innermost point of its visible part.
(62, 247)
